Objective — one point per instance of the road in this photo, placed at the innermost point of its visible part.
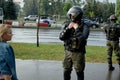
(96, 38)
(53, 70)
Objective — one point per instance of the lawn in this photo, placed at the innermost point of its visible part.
(56, 52)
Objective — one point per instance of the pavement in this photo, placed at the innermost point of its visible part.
(53, 70)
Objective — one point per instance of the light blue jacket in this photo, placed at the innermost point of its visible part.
(7, 60)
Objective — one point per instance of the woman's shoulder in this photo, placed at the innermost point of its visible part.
(4, 44)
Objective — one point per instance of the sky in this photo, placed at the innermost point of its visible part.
(20, 2)
(113, 1)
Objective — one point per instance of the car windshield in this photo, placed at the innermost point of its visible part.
(1, 12)
(44, 17)
(51, 18)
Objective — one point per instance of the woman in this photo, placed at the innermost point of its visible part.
(7, 58)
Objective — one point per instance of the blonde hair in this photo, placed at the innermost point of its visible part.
(3, 29)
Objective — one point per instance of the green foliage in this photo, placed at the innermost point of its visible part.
(2, 3)
(56, 52)
(44, 52)
(10, 10)
(92, 14)
(98, 9)
(118, 10)
(46, 7)
(92, 8)
(30, 7)
(67, 6)
(60, 7)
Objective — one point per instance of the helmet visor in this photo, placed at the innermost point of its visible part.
(72, 16)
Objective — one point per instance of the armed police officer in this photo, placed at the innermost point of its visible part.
(74, 35)
(112, 31)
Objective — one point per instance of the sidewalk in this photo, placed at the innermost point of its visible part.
(52, 70)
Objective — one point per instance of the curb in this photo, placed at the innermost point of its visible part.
(29, 24)
(22, 23)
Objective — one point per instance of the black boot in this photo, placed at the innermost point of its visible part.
(119, 67)
(67, 75)
(80, 75)
(118, 59)
(111, 68)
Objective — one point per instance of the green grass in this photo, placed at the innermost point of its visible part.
(56, 52)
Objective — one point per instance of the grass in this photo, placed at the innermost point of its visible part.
(56, 52)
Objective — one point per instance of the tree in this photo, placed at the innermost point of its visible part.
(117, 5)
(30, 7)
(67, 6)
(10, 10)
(96, 9)
(88, 9)
(2, 3)
(59, 7)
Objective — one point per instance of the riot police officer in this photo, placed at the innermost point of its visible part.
(74, 35)
(112, 31)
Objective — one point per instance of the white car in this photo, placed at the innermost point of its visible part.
(49, 20)
(1, 15)
(31, 18)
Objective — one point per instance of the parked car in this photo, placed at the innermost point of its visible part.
(1, 15)
(43, 24)
(91, 23)
(47, 19)
(31, 18)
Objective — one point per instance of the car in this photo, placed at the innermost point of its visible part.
(1, 15)
(31, 18)
(91, 23)
(43, 24)
(47, 19)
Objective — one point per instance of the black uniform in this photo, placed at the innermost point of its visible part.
(81, 35)
(74, 43)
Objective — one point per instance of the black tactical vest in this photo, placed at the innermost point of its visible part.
(112, 31)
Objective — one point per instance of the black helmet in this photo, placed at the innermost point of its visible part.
(113, 17)
(75, 13)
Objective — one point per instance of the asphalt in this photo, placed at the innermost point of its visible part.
(52, 70)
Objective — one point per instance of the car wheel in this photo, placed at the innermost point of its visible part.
(49, 25)
(26, 19)
(48, 22)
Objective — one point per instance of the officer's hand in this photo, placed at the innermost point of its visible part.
(73, 25)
